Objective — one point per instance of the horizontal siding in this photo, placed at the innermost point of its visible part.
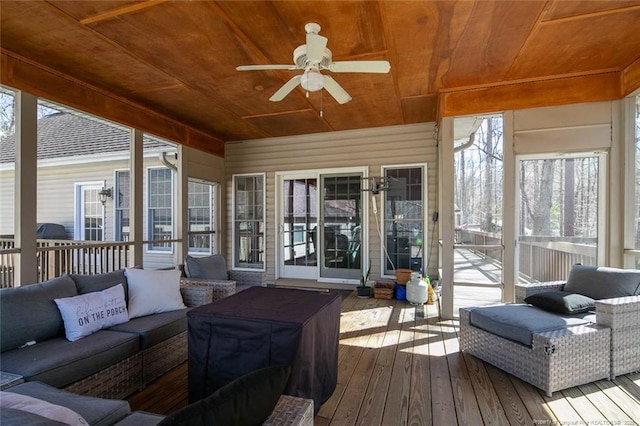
(371, 148)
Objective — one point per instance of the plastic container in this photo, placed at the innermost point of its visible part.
(403, 276)
(417, 291)
(401, 292)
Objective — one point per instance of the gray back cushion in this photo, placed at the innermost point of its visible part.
(28, 313)
(603, 283)
(99, 282)
(211, 267)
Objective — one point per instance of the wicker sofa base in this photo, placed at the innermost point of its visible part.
(291, 411)
(132, 374)
(556, 360)
(162, 357)
(114, 382)
(623, 317)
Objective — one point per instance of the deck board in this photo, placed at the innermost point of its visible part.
(398, 365)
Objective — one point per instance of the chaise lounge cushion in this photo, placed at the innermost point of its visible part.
(518, 322)
(561, 302)
(30, 314)
(59, 362)
(96, 411)
(153, 329)
(603, 283)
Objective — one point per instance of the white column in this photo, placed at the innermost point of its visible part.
(136, 203)
(26, 200)
(509, 219)
(182, 205)
(446, 195)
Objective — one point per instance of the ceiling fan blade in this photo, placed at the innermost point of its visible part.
(336, 90)
(264, 67)
(315, 47)
(286, 89)
(381, 67)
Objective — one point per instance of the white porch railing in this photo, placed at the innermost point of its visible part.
(540, 258)
(57, 257)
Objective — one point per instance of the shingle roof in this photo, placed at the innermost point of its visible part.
(63, 135)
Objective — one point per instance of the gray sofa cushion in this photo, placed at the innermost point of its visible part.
(603, 283)
(96, 411)
(153, 329)
(13, 417)
(519, 322)
(28, 313)
(211, 267)
(140, 418)
(59, 362)
(99, 282)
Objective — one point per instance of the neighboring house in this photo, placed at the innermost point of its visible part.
(80, 156)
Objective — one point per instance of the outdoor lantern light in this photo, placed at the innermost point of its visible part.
(104, 194)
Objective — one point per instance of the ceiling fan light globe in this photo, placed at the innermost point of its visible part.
(312, 81)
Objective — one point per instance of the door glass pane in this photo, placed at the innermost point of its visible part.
(403, 218)
(300, 222)
(92, 208)
(341, 221)
(249, 221)
(558, 216)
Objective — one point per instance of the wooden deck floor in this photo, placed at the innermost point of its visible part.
(400, 364)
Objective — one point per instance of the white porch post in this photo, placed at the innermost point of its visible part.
(136, 202)
(182, 201)
(26, 269)
(509, 219)
(446, 195)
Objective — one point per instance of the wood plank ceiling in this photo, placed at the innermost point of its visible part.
(178, 59)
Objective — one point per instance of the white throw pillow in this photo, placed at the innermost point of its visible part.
(87, 313)
(153, 291)
(42, 408)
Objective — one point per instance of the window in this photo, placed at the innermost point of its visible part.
(201, 217)
(121, 205)
(248, 240)
(7, 165)
(404, 206)
(632, 213)
(160, 218)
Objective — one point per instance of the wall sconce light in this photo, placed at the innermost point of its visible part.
(104, 194)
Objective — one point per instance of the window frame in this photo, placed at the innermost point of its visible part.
(150, 248)
(236, 265)
(425, 222)
(631, 254)
(213, 220)
(116, 204)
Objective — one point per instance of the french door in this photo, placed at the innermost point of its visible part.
(320, 225)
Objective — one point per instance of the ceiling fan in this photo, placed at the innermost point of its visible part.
(314, 57)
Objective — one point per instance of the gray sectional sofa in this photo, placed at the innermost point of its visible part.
(563, 333)
(110, 363)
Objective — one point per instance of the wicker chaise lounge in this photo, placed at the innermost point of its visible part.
(588, 348)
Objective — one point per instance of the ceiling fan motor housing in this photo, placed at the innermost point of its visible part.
(301, 59)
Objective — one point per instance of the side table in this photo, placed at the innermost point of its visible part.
(8, 380)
